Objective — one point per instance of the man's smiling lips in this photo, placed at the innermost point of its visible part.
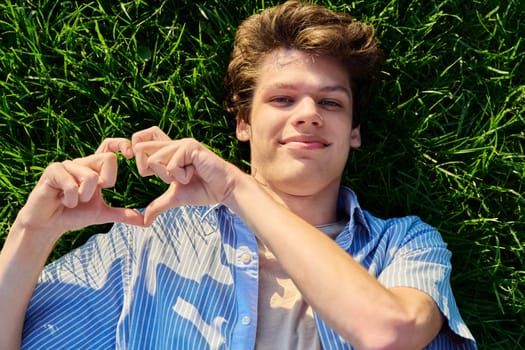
(305, 142)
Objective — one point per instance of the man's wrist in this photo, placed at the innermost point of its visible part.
(240, 185)
(32, 239)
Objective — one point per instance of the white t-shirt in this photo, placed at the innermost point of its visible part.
(285, 320)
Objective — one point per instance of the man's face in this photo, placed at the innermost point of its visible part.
(300, 128)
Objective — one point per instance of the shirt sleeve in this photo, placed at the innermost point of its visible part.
(419, 259)
(79, 297)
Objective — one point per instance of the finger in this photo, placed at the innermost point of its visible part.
(160, 204)
(151, 134)
(62, 183)
(161, 171)
(105, 165)
(86, 181)
(113, 145)
(172, 162)
(122, 215)
(143, 151)
(182, 174)
(180, 166)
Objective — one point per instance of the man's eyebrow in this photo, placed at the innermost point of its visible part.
(327, 88)
(282, 86)
(337, 87)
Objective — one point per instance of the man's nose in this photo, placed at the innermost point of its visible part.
(307, 113)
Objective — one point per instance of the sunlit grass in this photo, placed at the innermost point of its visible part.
(443, 138)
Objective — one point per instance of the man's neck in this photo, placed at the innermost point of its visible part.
(317, 209)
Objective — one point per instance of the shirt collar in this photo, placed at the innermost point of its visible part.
(348, 204)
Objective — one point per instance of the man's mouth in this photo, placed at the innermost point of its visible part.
(305, 142)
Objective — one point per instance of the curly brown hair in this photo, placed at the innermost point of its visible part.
(310, 28)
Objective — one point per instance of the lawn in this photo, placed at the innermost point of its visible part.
(443, 137)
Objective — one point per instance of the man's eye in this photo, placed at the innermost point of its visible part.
(330, 103)
(281, 100)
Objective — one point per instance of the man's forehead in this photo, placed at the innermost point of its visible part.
(282, 60)
(283, 57)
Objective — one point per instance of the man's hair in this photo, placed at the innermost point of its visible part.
(312, 29)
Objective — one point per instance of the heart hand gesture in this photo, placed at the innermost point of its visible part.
(196, 175)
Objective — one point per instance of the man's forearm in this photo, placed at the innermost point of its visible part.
(21, 261)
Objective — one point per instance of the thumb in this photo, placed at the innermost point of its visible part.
(160, 205)
(122, 215)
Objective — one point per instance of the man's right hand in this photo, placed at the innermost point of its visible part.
(68, 196)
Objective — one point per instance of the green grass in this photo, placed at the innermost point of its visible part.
(443, 138)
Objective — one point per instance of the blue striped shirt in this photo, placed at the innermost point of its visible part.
(190, 281)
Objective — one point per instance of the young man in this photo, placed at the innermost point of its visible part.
(283, 258)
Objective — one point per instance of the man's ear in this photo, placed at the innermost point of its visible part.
(243, 130)
(355, 137)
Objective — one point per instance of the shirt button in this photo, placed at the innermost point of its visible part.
(246, 320)
(246, 258)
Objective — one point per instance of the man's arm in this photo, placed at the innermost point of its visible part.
(339, 289)
(67, 197)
